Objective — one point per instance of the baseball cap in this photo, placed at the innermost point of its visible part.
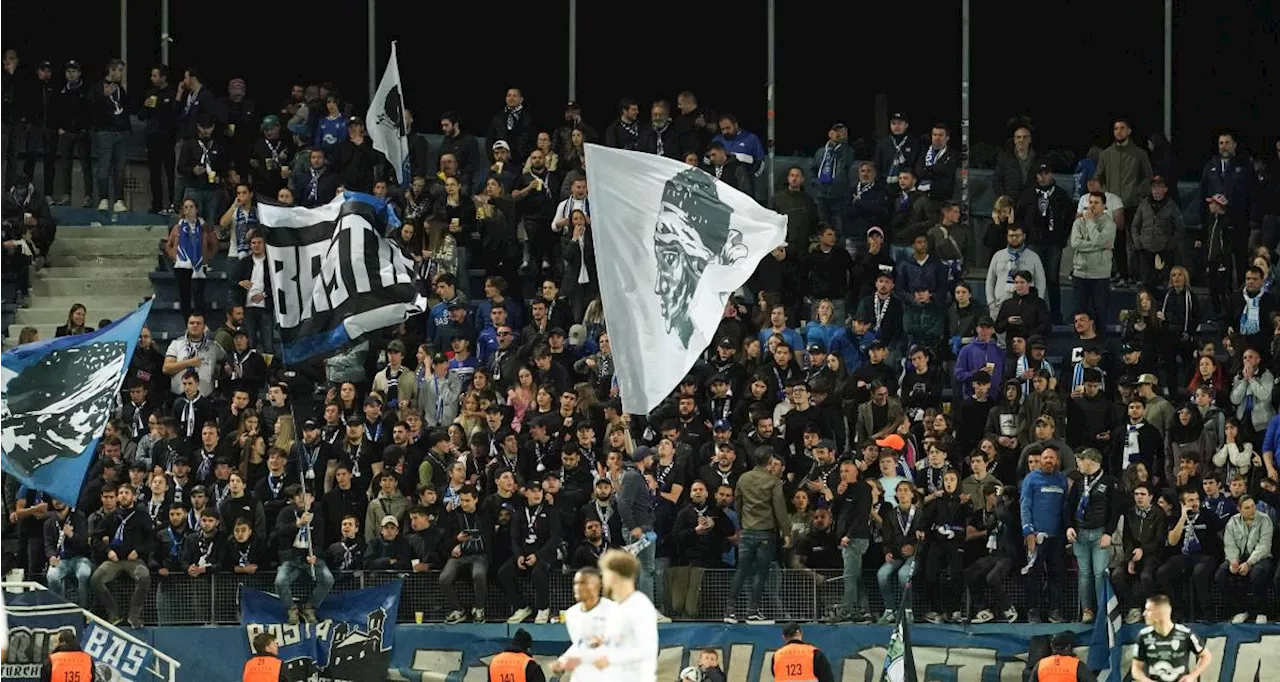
(310, 425)
(791, 629)
(555, 331)
(1148, 379)
(199, 490)
(535, 484)
(181, 459)
(372, 399)
(1090, 453)
(838, 126)
(572, 105)
(726, 342)
(1044, 168)
(817, 347)
(722, 425)
(270, 121)
(875, 229)
(1159, 179)
(354, 420)
(826, 443)
(898, 116)
(396, 346)
(439, 359)
(641, 453)
(502, 144)
(985, 321)
(45, 64)
(73, 64)
(390, 520)
(892, 441)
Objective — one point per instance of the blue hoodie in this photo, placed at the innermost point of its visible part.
(745, 147)
(973, 358)
(1044, 497)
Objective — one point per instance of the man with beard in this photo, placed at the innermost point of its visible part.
(624, 133)
(537, 193)
(127, 543)
(700, 533)
(601, 508)
(661, 136)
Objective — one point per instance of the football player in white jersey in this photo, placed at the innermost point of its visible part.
(629, 648)
(586, 622)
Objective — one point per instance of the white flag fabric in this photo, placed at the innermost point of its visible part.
(385, 120)
(672, 244)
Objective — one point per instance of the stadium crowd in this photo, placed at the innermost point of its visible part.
(861, 409)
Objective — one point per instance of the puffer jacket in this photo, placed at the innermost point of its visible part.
(1156, 226)
(1125, 170)
(1244, 542)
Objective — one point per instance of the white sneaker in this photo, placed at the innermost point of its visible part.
(983, 616)
(520, 615)
(544, 615)
(1239, 618)
(102, 205)
(1133, 616)
(1031, 561)
(663, 618)
(119, 207)
(1011, 615)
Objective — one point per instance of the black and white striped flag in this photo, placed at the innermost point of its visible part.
(336, 277)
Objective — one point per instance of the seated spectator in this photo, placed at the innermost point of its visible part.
(299, 529)
(388, 550)
(126, 553)
(66, 546)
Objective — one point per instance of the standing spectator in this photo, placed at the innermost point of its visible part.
(851, 502)
(1093, 238)
(868, 207)
(1231, 175)
(270, 158)
(727, 168)
(898, 150)
(317, 184)
(109, 109)
(1156, 228)
(562, 138)
(992, 525)
(161, 127)
(1248, 539)
(12, 119)
(624, 133)
(1043, 498)
(28, 233)
(980, 355)
(831, 168)
(191, 246)
(1093, 510)
(1017, 257)
(1251, 392)
(513, 125)
(1124, 169)
(71, 116)
(468, 532)
(801, 211)
(762, 514)
(902, 531)
(240, 123)
(204, 161)
(1249, 313)
(741, 145)
(936, 167)
(660, 136)
(635, 506)
(1016, 165)
(1045, 212)
(38, 104)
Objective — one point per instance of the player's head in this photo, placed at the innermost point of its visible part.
(586, 584)
(618, 569)
(1158, 610)
(265, 643)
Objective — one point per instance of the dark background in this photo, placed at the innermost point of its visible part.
(1069, 66)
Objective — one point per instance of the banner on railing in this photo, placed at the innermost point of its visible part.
(352, 640)
(37, 618)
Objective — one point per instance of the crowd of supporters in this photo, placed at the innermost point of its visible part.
(863, 408)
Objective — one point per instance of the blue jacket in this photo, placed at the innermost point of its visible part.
(1044, 499)
(330, 134)
(932, 274)
(832, 337)
(855, 351)
(1085, 169)
(791, 336)
(486, 345)
(745, 147)
(439, 316)
(973, 358)
(1272, 439)
(515, 316)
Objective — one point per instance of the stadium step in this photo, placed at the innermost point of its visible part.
(69, 243)
(88, 284)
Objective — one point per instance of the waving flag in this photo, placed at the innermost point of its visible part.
(899, 663)
(672, 244)
(57, 398)
(385, 120)
(336, 276)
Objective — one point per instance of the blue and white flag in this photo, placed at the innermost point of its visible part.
(55, 399)
(385, 120)
(336, 277)
(352, 640)
(1104, 648)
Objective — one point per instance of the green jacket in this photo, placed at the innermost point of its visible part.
(1125, 170)
(760, 502)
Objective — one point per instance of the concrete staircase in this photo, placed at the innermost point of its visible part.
(104, 268)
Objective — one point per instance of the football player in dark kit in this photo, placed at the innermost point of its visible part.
(1164, 648)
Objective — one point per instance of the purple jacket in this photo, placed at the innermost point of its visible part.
(973, 358)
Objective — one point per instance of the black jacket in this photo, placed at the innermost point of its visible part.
(56, 544)
(387, 555)
(619, 137)
(887, 151)
(827, 274)
(244, 271)
(135, 537)
(359, 164)
(868, 207)
(203, 103)
(286, 530)
(852, 510)
(1104, 505)
(265, 159)
(735, 175)
(478, 522)
(71, 108)
(701, 549)
(199, 550)
(672, 144)
(520, 136)
(109, 113)
(38, 104)
(465, 149)
(1009, 180)
(160, 119)
(541, 537)
(211, 154)
(941, 176)
(326, 186)
(1051, 228)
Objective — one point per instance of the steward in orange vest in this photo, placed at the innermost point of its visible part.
(799, 662)
(1062, 665)
(515, 664)
(265, 664)
(67, 663)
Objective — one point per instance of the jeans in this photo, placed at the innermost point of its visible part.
(1092, 295)
(77, 567)
(109, 571)
(756, 553)
(108, 164)
(70, 145)
(208, 201)
(1051, 258)
(479, 567)
(258, 325)
(648, 564)
(892, 577)
(852, 554)
(1235, 586)
(1092, 560)
(292, 569)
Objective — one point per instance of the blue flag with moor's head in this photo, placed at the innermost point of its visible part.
(55, 399)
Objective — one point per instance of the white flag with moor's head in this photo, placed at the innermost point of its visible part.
(385, 120)
(672, 244)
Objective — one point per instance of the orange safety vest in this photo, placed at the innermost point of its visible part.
(794, 663)
(1057, 669)
(70, 666)
(262, 668)
(509, 666)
